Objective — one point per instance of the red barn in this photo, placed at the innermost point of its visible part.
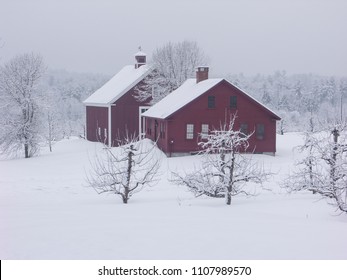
(179, 121)
(112, 112)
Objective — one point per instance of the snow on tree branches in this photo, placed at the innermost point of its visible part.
(125, 170)
(323, 169)
(173, 64)
(225, 170)
(20, 104)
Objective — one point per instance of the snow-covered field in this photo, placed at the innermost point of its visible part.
(47, 212)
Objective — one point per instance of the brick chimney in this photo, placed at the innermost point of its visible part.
(140, 57)
(201, 73)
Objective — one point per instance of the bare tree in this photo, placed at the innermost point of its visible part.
(225, 169)
(125, 170)
(323, 170)
(173, 64)
(51, 128)
(20, 101)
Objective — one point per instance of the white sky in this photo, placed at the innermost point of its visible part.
(249, 36)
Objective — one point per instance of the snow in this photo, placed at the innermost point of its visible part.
(117, 86)
(48, 212)
(186, 93)
(140, 53)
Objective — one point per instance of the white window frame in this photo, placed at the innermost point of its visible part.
(189, 131)
(204, 131)
(142, 130)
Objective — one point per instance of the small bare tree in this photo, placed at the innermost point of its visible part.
(323, 170)
(20, 104)
(225, 169)
(173, 64)
(125, 170)
(51, 128)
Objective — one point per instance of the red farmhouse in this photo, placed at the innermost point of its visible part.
(179, 121)
(112, 112)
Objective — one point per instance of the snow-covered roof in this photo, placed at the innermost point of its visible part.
(117, 86)
(189, 91)
(140, 53)
(186, 93)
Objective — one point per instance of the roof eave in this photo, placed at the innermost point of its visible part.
(91, 104)
(144, 75)
(275, 116)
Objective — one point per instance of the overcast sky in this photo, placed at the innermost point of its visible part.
(249, 36)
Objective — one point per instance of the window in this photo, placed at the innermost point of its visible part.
(190, 131)
(233, 102)
(141, 59)
(204, 131)
(244, 129)
(211, 102)
(260, 131)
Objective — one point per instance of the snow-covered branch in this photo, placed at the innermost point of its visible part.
(324, 167)
(173, 64)
(225, 171)
(125, 170)
(20, 122)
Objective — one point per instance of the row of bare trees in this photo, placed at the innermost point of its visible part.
(227, 167)
(224, 172)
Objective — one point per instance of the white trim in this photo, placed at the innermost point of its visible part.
(133, 84)
(109, 125)
(93, 101)
(140, 122)
(95, 105)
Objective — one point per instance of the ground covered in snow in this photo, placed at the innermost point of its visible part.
(48, 212)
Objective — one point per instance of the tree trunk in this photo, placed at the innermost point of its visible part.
(26, 150)
(231, 178)
(228, 198)
(126, 188)
(125, 197)
(336, 135)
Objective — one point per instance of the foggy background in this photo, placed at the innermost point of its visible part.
(249, 36)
